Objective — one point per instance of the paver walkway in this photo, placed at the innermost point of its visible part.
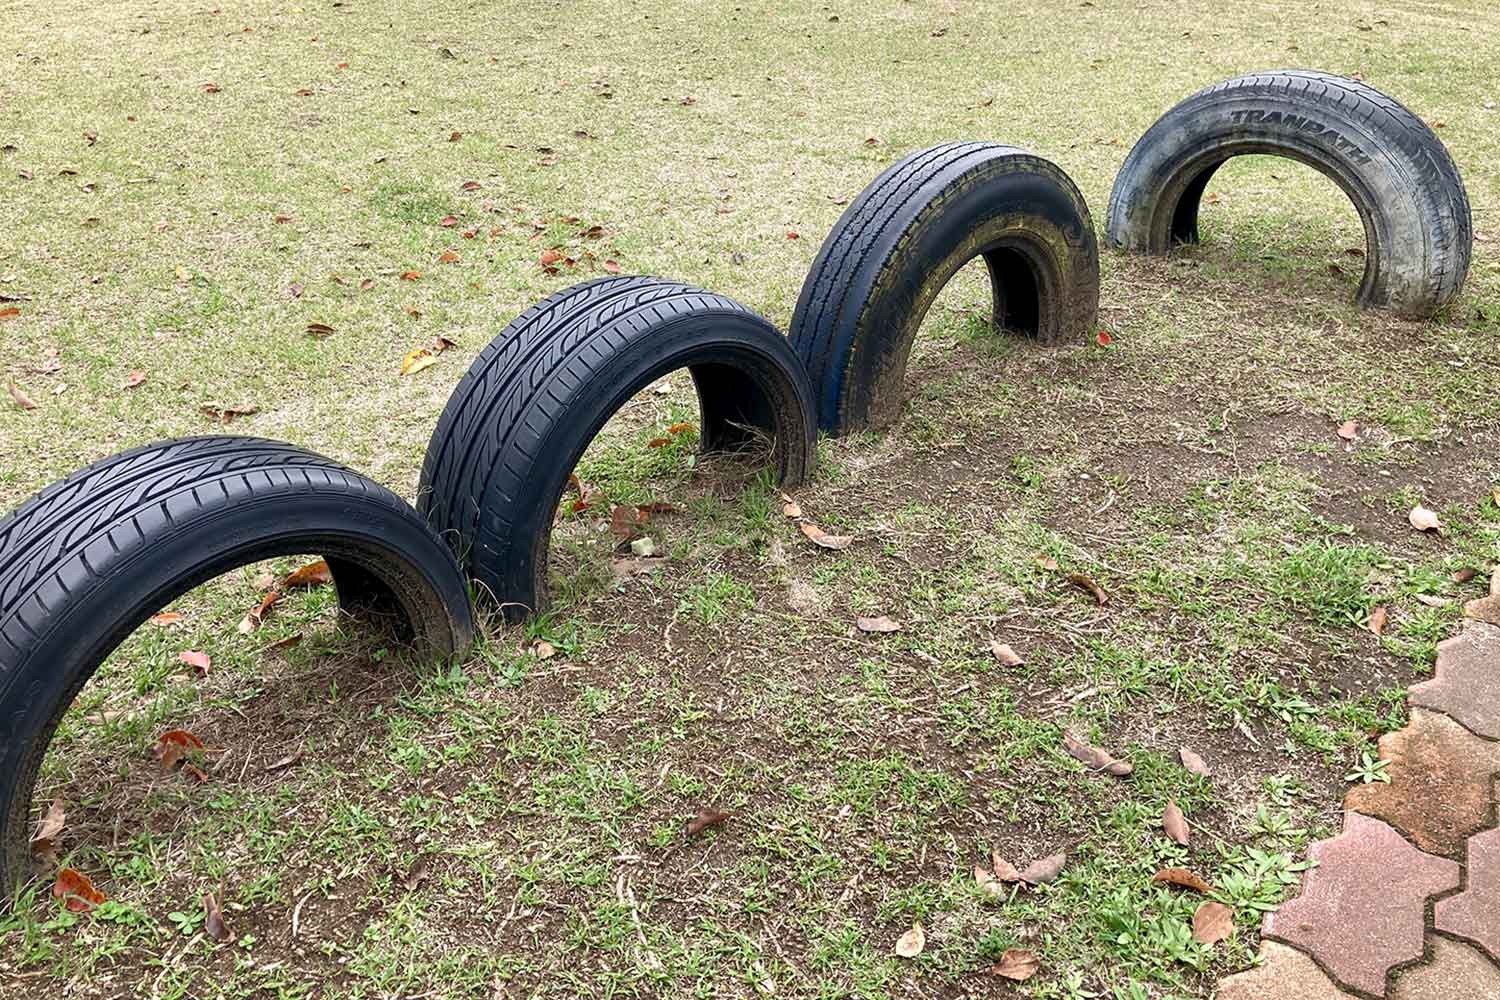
(1405, 902)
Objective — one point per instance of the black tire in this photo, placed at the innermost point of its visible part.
(522, 416)
(87, 560)
(906, 235)
(1418, 231)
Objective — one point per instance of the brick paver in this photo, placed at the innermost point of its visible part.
(1442, 786)
(1284, 974)
(1475, 913)
(1467, 685)
(1363, 909)
(1457, 972)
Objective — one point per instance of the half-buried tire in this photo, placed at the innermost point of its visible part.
(89, 559)
(1408, 193)
(906, 235)
(521, 418)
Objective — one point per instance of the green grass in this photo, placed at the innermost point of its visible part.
(515, 824)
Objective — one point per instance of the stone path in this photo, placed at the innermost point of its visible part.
(1405, 901)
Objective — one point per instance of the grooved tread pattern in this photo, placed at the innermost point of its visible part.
(1426, 165)
(480, 474)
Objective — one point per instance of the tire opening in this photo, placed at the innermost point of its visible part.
(238, 663)
(1017, 294)
(1279, 212)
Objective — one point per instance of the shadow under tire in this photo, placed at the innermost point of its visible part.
(1418, 229)
(525, 412)
(906, 235)
(86, 562)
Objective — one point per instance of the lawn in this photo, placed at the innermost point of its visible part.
(185, 188)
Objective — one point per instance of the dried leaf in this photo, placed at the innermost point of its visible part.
(1017, 964)
(252, 620)
(77, 890)
(406, 276)
(1183, 878)
(790, 507)
(1088, 585)
(133, 379)
(198, 660)
(10, 312)
(823, 539)
(910, 944)
(626, 522)
(173, 744)
(44, 840)
(613, 267)
(22, 400)
(314, 574)
(1103, 338)
(1045, 870)
(1002, 652)
(448, 221)
(1424, 520)
(166, 618)
(1004, 870)
(416, 361)
(213, 919)
(992, 886)
(543, 650)
(1376, 622)
(1194, 763)
(1348, 430)
(1094, 757)
(449, 256)
(1046, 563)
(707, 817)
(1212, 922)
(1175, 823)
(319, 330)
(1465, 575)
(884, 623)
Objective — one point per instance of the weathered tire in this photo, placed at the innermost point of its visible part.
(87, 560)
(1418, 231)
(906, 234)
(532, 401)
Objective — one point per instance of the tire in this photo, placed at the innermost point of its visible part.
(1418, 231)
(522, 416)
(906, 235)
(88, 560)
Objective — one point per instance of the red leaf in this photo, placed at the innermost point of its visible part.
(314, 574)
(77, 889)
(1182, 877)
(707, 817)
(1103, 338)
(448, 221)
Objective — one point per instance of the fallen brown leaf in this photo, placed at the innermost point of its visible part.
(173, 745)
(1017, 964)
(319, 330)
(1175, 823)
(1046, 563)
(626, 522)
(1003, 869)
(1348, 430)
(166, 618)
(44, 840)
(790, 507)
(1212, 922)
(884, 623)
(22, 400)
(9, 312)
(1002, 652)
(314, 574)
(256, 615)
(910, 944)
(1465, 575)
(1194, 763)
(1486, 609)
(1424, 520)
(76, 890)
(1045, 870)
(1088, 585)
(449, 256)
(707, 817)
(1094, 757)
(1183, 878)
(213, 919)
(198, 660)
(133, 379)
(1376, 622)
(823, 539)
